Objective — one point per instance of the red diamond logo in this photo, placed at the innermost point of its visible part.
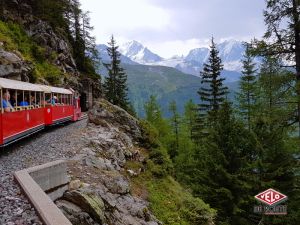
(270, 197)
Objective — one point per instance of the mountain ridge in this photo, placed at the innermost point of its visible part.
(231, 53)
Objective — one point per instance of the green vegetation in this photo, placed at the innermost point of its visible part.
(169, 201)
(237, 157)
(69, 23)
(173, 204)
(248, 93)
(167, 84)
(15, 39)
(115, 84)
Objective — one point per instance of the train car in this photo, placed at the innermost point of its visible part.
(59, 106)
(27, 108)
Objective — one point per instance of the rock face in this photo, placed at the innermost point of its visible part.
(12, 65)
(103, 113)
(104, 196)
(55, 45)
(44, 36)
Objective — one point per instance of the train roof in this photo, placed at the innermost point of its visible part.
(25, 86)
(19, 85)
(50, 89)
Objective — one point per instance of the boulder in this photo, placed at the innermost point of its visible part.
(43, 34)
(88, 201)
(75, 214)
(13, 66)
(105, 111)
(116, 184)
(97, 162)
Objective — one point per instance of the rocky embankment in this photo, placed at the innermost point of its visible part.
(100, 191)
(13, 64)
(60, 142)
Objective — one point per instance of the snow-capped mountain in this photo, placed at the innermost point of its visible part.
(138, 53)
(198, 55)
(102, 49)
(230, 51)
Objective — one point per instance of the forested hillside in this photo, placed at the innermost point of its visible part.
(228, 151)
(47, 42)
(166, 83)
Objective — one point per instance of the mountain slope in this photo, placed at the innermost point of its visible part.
(138, 53)
(102, 49)
(166, 83)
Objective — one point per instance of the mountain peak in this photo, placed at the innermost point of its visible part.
(138, 53)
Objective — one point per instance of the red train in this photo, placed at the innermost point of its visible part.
(27, 108)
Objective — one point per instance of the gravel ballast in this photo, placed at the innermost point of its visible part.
(59, 142)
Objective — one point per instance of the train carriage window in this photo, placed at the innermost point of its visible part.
(38, 100)
(6, 105)
(25, 100)
(47, 99)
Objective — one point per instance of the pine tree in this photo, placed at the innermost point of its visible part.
(154, 117)
(282, 38)
(212, 93)
(248, 96)
(224, 178)
(115, 85)
(152, 110)
(190, 116)
(83, 43)
(276, 93)
(175, 123)
(276, 168)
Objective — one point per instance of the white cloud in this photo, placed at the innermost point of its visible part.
(120, 17)
(173, 27)
(168, 49)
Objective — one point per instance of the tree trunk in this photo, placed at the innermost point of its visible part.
(297, 54)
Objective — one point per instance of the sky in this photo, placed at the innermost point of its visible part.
(174, 27)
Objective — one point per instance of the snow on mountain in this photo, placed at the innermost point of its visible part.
(102, 49)
(138, 53)
(198, 55)
(230, 51)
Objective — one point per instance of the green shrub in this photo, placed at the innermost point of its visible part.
(172, 204)
(15, 38)
(149, 134)
(160, 163)
(50, 72)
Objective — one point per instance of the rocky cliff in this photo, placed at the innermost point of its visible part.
(109, 175)
(100, 192)
(32, 50)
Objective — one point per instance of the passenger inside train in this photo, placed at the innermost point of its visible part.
(24, 102)
(13, 99)
(52, 100)
(6, 104)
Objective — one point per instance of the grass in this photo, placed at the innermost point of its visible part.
(15, 39)
(169, 201)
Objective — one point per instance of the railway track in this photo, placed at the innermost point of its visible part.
(59, 142)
